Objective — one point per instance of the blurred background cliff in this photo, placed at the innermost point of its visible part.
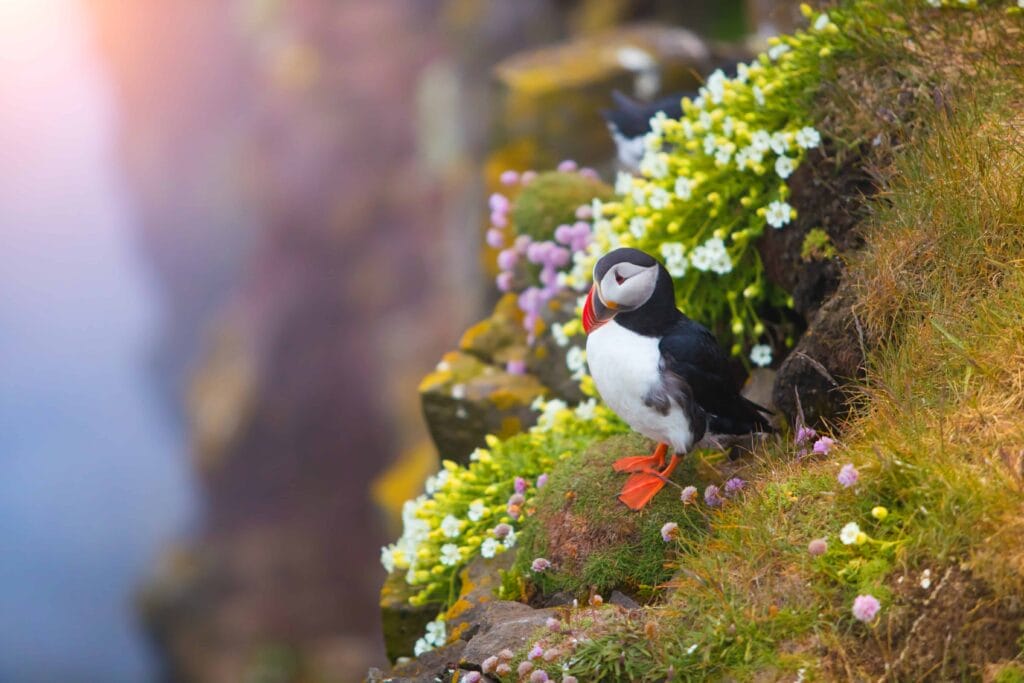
(235, 236)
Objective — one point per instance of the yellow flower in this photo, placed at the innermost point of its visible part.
(879, 512)
(861, 538)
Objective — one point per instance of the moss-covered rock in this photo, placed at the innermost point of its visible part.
(551, 199)
(594, 542)
(465, 400)
(402, 622)
(500, 337)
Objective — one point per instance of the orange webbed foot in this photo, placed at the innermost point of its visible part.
(640, 463)
(641, 487)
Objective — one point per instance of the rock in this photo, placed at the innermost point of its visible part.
(430, 667)
(480, 581)
(622, 600)
(402, 623)
(758, 387)
(826, 359)
(500, 337)
(466, 399)
(510, 625)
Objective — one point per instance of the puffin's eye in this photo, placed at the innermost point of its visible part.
(618, 278)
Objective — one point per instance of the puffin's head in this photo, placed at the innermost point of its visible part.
(624, 280)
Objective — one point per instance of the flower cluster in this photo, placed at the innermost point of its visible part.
(477, 510)
(714, 180)
(528, 264)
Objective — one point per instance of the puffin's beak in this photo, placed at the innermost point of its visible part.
(595, 311)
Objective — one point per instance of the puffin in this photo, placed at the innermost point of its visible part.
(657, 369)
(630, 120)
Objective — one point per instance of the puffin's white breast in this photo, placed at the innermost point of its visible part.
(626, 366)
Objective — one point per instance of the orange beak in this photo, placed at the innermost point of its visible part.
(595, 312)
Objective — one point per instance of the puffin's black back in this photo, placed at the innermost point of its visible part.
(690, 351)
(632, 118)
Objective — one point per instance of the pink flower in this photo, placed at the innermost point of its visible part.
(689, 495)
(540, 565)
(509, 178)
(527, 177)
(502, 530)
(848, 475)
(669, 532)
(498, 203)
(805, 435)
(564, 234)
(539, 676)
(507, 259)
(520, 486)
(865, 607)
(713, 496)
(516, 367)
(499, 219)
(553, 624)
(567, 166)
(503, 669)
(584, 213)
(489, 665)
(542, 480)
(495, 238)
(535, 651)
(472, 677)
(588, 172)
(817, 547)
(734, 485)
(569, 679)
(823, 445)
(524, 668)
(504, 281)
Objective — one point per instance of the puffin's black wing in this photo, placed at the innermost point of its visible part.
(632, 117)
(692, 353)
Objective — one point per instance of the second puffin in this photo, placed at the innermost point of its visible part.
(661, 372)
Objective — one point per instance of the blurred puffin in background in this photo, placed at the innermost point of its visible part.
(630, 120)
(661, 372)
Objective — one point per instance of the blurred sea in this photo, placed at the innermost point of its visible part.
(92, 480)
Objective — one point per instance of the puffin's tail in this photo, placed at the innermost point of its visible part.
(747, 417)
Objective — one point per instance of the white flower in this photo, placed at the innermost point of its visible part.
(710, 144)
(926, 575)
(489, 548)
(742, 73)
(701, 259)
(743, 157)
(657, 123)
(638, 227)
(575, 358)
(690, 650)
(715, 86)
(728, 125)
(758, 95)
(722, 156)
(475, 455)
(451, 527)
(654, 165)
(623, 183)
(436, 482)
(705, 120)
(808, 138)
(510, 539)
(761, 141)
(687, 129)
(849, 533)
(761, 355)
(785, 166)
(585, 409)
(1020, 3)
(653, 142)
(659, 198)
(476, 511)
(450, 554)
(387, 558)
(776, 51)
(420, 647)
(551, 409)
(559, 335)
(778, 214)
(821, 22)
(436, 633)
(684, 187)
(780, 145)
(674, 254)
(938, 3)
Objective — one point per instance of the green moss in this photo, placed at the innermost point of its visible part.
(551, 199)
(817, 246)
(594, 542)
